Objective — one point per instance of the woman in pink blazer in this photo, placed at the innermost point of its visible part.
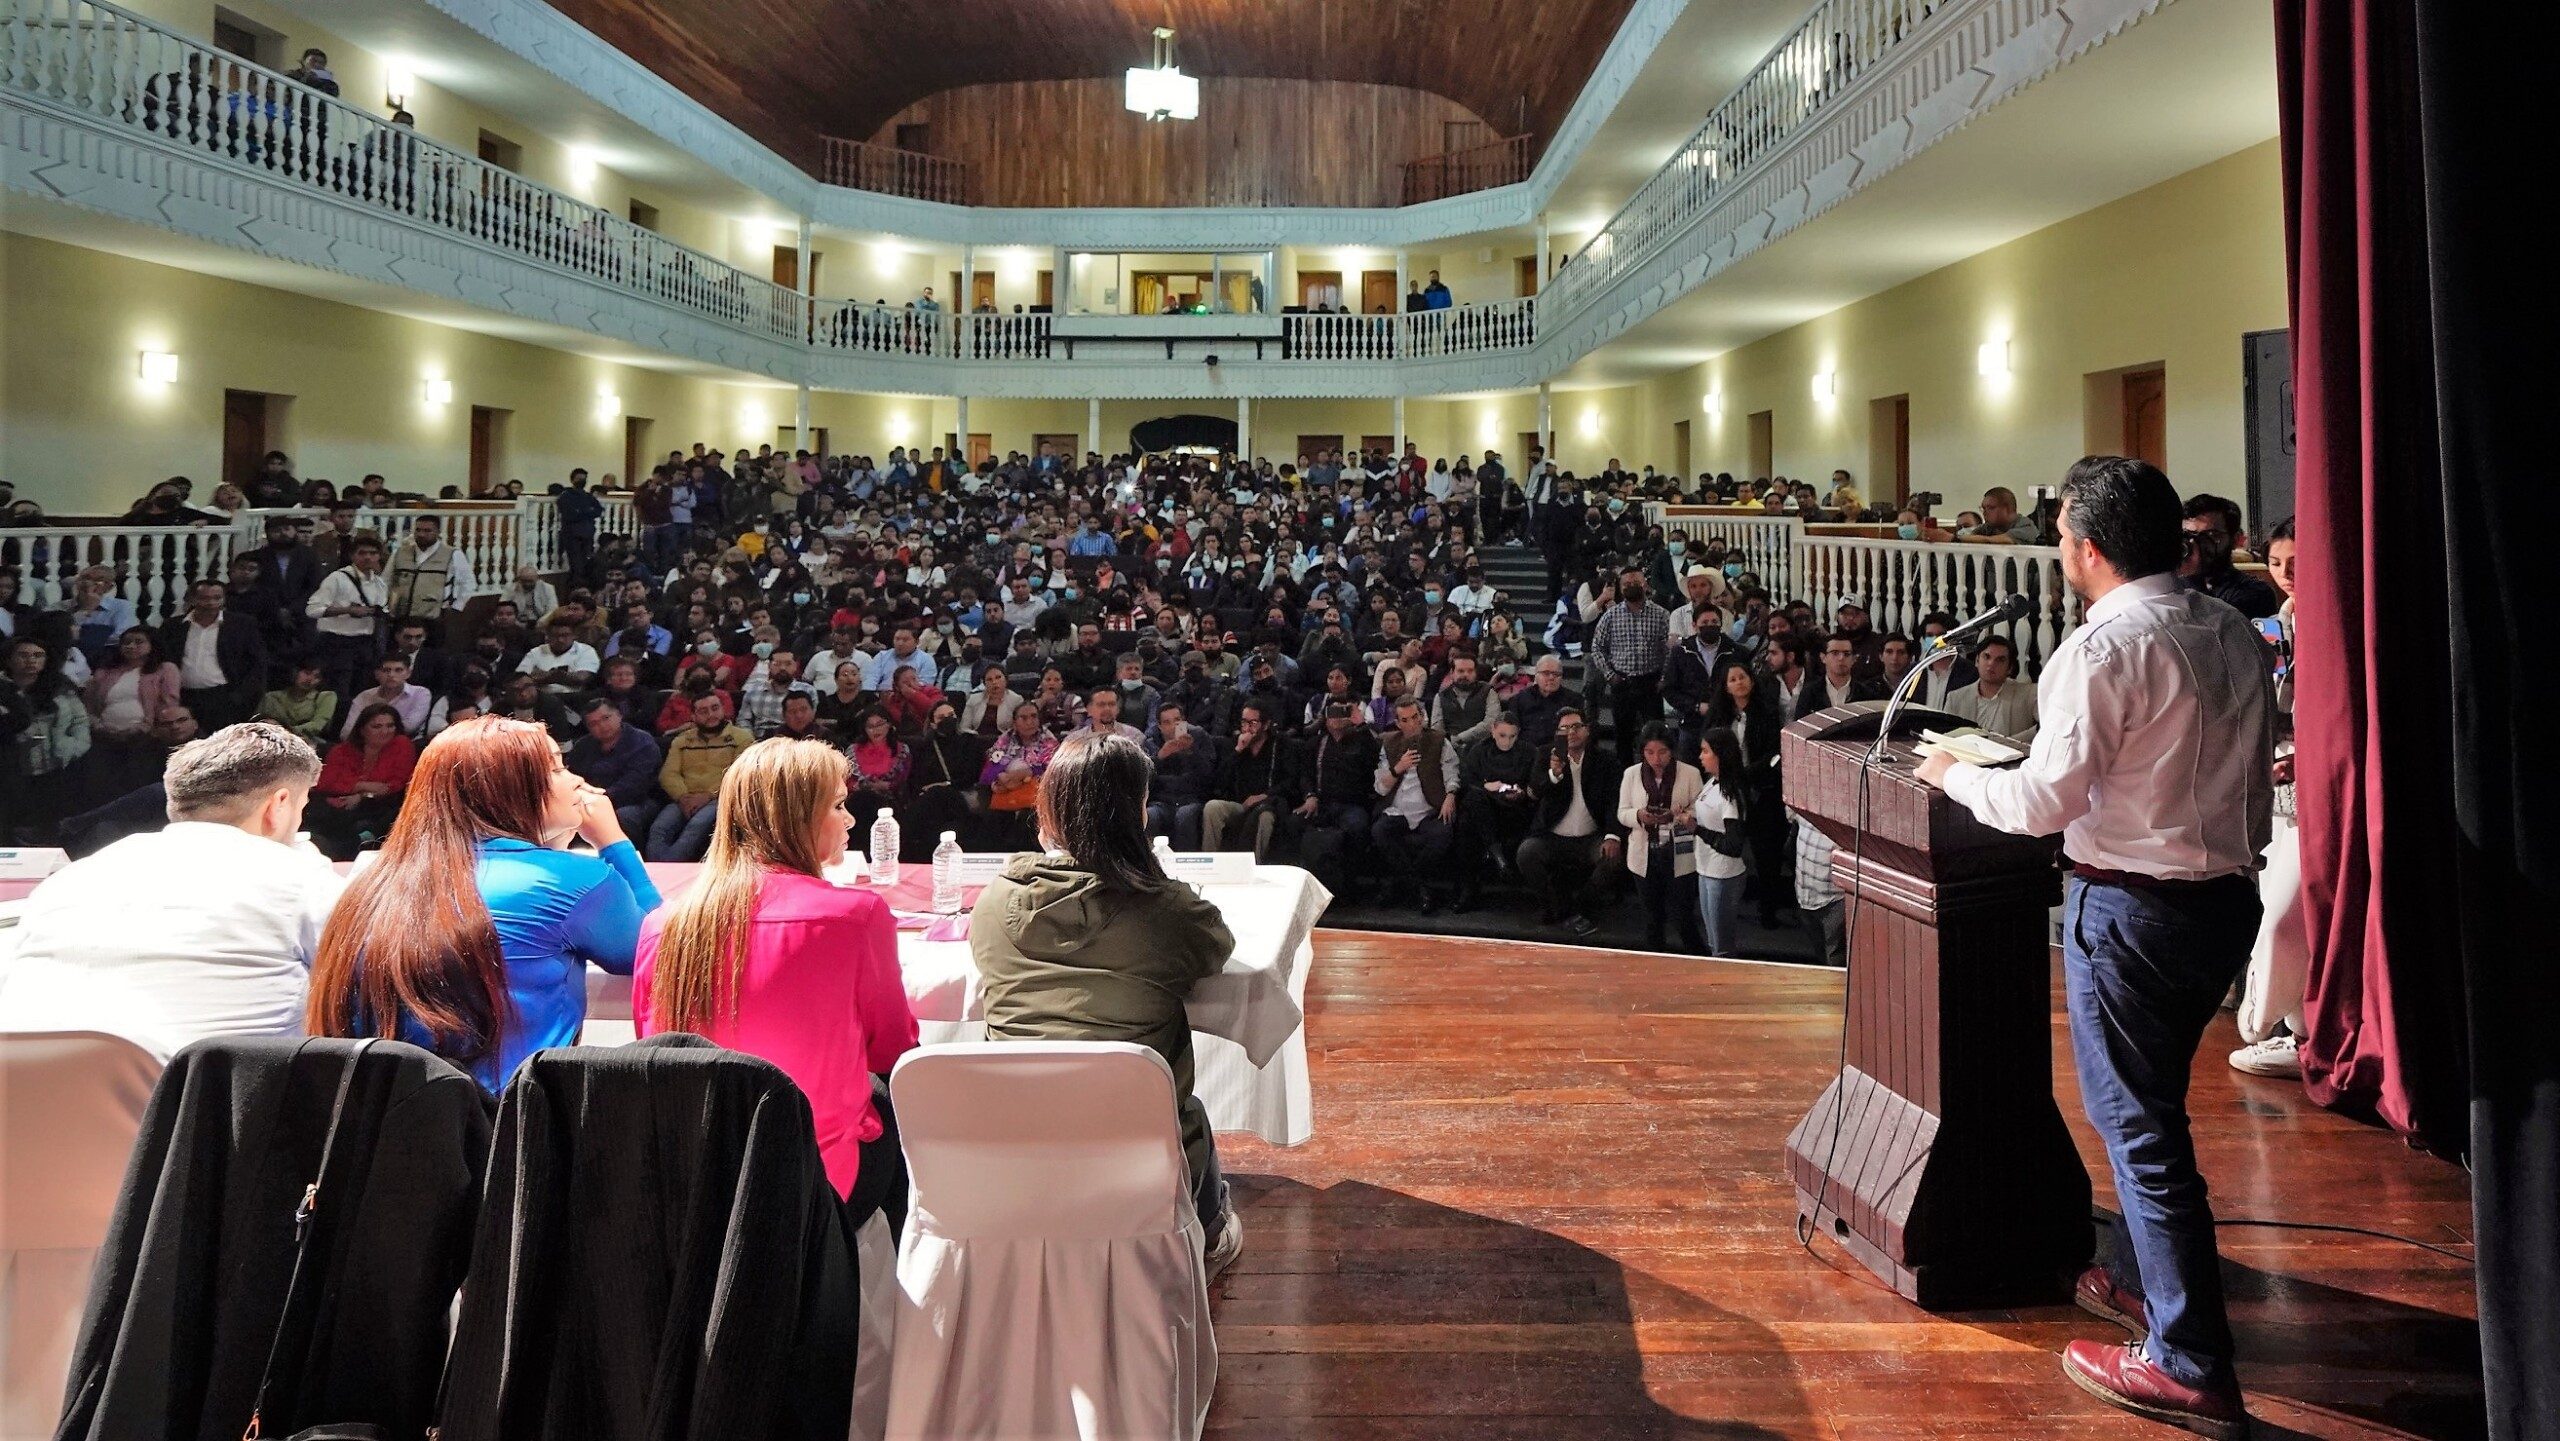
(135, 716)
(763, 955)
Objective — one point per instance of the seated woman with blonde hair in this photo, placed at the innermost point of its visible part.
(472, 934)
(763, 955)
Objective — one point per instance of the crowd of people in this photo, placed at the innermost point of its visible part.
(1311, 654)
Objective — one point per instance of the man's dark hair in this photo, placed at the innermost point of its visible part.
(1261, 707)
(2001, 641)
(2128, 510)
(2224, 513)
(597, 703)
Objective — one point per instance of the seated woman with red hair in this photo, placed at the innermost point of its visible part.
(471, 936)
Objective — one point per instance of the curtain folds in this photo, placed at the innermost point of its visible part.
(2430, 835)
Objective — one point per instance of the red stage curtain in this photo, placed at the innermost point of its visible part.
(2430, 816)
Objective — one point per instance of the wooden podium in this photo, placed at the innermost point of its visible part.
(1952, 1176)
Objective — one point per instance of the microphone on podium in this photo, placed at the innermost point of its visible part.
(1975, 631)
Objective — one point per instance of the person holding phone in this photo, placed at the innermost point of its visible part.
(346, 611)
(1575, 845)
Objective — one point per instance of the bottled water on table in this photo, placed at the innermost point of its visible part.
(884, 849)
(946, 875)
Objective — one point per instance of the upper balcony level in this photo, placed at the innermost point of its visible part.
(109, 111)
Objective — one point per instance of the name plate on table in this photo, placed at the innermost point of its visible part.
(32, 863)
(1212, 868)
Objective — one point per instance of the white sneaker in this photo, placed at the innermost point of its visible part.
(1229, 1245)
(2277, 1055)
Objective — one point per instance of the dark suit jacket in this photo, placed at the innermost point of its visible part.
(1600, 776)
(295, 572)
(1816, 696)
(192, 1279)
(239, 648)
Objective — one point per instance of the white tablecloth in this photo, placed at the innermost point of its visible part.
(1248, 1036)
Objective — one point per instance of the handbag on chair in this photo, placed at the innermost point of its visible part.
(293, 1291)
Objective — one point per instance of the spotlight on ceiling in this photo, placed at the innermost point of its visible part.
(1162, 91)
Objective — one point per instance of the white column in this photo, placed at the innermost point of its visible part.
(1398, 457)
(1547, 419)
(1244, 429)
(968, 280)
(800, 417)
(1058, 297)
(1542, 255)
(962, 454)
(808, 312)
(1093, 425)
(1404, 269)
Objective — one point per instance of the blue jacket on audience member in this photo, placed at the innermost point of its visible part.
(555, 911)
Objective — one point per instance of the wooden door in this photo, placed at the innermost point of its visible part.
(635, 450)
(1378, 292)
(786, 266)
(981, 446)
(1044, 290)
(1680, 453)
(1319, 289)
(488, 447)
(1384, 445)
(1519, 467)
(2146, 415)
(244, 435)
(982, 290)
(1067, 448)
(1763, 446)
(1524, 275)
(1888, 450)
(1314, 446)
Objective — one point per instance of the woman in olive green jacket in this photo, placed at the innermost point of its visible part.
(1093, 942)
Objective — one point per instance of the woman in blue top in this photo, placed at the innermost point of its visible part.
(471, 936)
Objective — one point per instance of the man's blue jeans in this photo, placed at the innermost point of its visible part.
(2144, 969)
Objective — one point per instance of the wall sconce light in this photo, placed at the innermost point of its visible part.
(439, 391)
(608, 407)
(159, 367)
(1591, 420)
(902, 428)
(1992, 360)
(1712, 403)
(1826, 384)
(397, 83)
(582, 165)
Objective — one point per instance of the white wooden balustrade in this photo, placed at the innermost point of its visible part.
(1902, 581)
(112, 65)
(153, 565)
(1412, 334)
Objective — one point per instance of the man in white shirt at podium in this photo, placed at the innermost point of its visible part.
(2153, 760)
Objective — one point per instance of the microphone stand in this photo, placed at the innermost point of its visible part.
(1901, 698)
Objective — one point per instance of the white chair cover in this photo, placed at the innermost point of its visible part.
(1050, 1281)
(71, 1104)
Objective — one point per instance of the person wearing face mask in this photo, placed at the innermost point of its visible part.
(1628, 648)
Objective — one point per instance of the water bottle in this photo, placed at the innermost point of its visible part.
(884, 849)
(946, 875)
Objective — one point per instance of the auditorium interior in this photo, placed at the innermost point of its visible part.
(1083, 719)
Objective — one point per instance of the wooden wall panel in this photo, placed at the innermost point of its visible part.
(1064, 143)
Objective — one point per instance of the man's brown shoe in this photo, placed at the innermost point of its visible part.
(2100, 1296)
(2120, 1376)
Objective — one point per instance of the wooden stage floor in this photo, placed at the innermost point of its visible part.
(1544, 1200)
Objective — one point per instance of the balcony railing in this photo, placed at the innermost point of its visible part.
(1412, 334)
(115, 66)
(888, 170)
(1478, 167)
(1809, 69)
(153, 565)
(1902, 581)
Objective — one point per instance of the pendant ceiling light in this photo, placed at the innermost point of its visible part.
(1161, 91)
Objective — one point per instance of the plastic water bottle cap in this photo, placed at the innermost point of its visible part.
(951, 835)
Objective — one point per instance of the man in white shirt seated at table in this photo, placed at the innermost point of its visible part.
(203, 929)
(1997, 701)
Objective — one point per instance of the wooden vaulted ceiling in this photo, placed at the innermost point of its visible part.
(790, 71)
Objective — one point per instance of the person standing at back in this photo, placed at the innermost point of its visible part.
(2154, 761)
(1091, 941)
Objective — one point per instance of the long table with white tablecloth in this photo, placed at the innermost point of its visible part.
(1248, 1032)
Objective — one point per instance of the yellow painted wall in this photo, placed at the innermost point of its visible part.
(2173, 274)
(85, 434)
